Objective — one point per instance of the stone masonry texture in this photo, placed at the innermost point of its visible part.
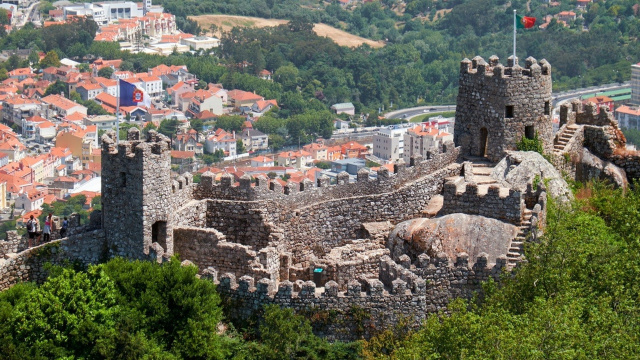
(325, 250)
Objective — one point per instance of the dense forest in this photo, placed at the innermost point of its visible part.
(577, 296)
(419, 64)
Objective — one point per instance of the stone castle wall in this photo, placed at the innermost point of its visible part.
(367, 305)
(600, 136)
(461, 197)
(483, 124)
(209, 247)
(13, 244)
(83, 245)
(326, 216)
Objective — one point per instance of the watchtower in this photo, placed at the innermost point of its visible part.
(497, 106)
(136, 189)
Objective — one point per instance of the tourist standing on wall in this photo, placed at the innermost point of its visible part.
(47, 228)
(32, 230)
(63, 229)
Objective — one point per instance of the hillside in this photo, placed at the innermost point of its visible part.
(226, 22)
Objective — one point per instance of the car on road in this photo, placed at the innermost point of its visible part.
(424, 111)
(432, 109)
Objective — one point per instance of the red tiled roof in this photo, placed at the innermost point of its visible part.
(182, 154)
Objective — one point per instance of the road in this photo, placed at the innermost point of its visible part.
(32, 14)
(420, 110)
(567, 95)
(557, 99)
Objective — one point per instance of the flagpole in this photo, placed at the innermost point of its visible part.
(514, 37)
(118, 113)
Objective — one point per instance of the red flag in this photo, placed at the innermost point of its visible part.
(525, 22)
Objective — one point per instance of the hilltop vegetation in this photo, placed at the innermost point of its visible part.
(419, 64)
(142, 310)
(576, 298)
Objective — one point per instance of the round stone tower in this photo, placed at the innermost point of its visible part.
(497, 106)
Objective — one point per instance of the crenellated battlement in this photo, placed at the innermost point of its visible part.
(307, 191)
(498, 105)
(495, 70)
(578, 113)
(490, 201)
(154, 143)
(414, 292)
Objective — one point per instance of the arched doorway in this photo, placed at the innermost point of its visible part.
(484, 140)
(159, 233)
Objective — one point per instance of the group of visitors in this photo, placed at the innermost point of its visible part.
(49, 225)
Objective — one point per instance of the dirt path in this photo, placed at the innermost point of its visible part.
(226, 22)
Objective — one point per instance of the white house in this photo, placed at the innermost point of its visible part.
(261, 161)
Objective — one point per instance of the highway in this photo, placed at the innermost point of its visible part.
(568, 95)
(558, 98)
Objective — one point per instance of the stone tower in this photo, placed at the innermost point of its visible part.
(497, 106)
(136, 187)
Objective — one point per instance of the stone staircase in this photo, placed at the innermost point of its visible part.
(482, 175)
(563, 139)
(515, 254)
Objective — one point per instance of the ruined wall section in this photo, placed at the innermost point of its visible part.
(330, 223)
(496, 104)
(493, 202)
(245, 223)
(367, 305)
(13, 244)
(210, 248)
(357, 259)
(327, 216)
(601, 136)
(83, 245)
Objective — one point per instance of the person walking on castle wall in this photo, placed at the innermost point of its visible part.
(32, 230)
(63, 229)
(47, 228)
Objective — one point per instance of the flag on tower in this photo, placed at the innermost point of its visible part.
(130, 95)
(525, 22)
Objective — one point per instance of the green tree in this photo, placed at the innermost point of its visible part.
(230, 123)
(118, 310)
(285, 335)
(169, 127)
(4, 17)
(105, 49)
(196, 124)
(96, 203)
(58, 87)
(34, 58)
(50, 59)
(149, 126)
(105, 72)
(287, 76)
(276, 141)
(240, 147)
(84, 67)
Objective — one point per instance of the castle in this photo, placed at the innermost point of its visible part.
(361, 255)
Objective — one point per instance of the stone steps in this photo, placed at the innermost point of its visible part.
(484, 180)
(434, 206)
(515, 254)
(564, 138)
(486, 171)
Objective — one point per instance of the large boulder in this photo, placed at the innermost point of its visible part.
(452, 234)
(592, 167)
(520, 168)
